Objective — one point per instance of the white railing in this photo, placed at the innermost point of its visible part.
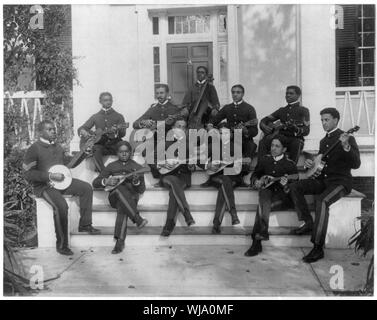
(31, 108)
(357, 107)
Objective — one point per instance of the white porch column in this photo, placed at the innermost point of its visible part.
(233, 58)
(317, 66)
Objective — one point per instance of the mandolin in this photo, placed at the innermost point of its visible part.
(269, 180)
(216, 166)
(170, 165)
(277, 125)
(318, 163)
(122, 178)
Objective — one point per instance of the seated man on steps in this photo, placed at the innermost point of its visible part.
(225, 184)
(106, 120)
(125, 196)
(276, 164)
(39, 158)
(331, 183)
(294, 119)
(176, 180)
(163, 110)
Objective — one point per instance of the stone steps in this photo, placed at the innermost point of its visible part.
(189, 235)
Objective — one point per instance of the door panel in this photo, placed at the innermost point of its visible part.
(183, 59)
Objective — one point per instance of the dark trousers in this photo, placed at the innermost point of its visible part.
(100, 150)
(268, 200)
(325, 196)
(177, 200)
(60, 208)
(294, 147)
(125, 200)
(248, 148)
(225, 195)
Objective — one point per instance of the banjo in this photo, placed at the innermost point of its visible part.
(318, 163)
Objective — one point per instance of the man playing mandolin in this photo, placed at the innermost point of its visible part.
(110, 127)
(332, 180)
(123, 197)
(39, 158)
(274, 166)
(292, 121)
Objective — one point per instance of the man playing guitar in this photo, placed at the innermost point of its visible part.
(126, 196)
(107, 119)
(330, 184)
(42, 155)
(294, 120)
(240, 115)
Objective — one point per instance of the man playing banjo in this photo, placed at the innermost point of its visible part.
(39, 158)
(330, 184)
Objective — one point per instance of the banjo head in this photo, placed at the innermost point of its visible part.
(61, 185)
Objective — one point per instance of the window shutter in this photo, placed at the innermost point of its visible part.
(346, 48)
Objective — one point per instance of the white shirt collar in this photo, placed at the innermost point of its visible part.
(165, 102)
(278, 158)
(46, 141)
(297, 101)
(238, 103)
(201, 82)
(106, 110)
(333, 130)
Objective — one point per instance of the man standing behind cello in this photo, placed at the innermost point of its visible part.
(201, 100)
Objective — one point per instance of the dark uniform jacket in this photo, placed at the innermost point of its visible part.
(339, 162)
(269, 166)
(39, 158)
(294, 112)
(159, 112)
(105, 120)
(234, 114)
(120, 168)
(209, 96)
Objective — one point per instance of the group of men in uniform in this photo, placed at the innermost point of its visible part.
(279, 149)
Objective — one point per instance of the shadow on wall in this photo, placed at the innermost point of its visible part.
(267, 52)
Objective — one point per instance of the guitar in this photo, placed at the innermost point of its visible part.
(170, 165)
(148, 133)
(195, 117)
(277, 125)
(216, 166)
(269, 180)
(122, 178)
(318, 163)
(100, 136)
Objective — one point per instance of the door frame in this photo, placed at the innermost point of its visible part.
(211, 63)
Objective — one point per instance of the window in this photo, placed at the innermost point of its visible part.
(355, 46)
(155, 25)
(189, 24)
(156, 65)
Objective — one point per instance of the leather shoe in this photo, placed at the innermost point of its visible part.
(65, 251)
(142, 223)
(235, 219)
(90, 229)
(190, 222)
(314, 255)
(304, 229)
(165, 232)
(119, 246)
(255, 249)
(216, 229)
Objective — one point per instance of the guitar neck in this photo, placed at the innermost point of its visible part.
(75, 159)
